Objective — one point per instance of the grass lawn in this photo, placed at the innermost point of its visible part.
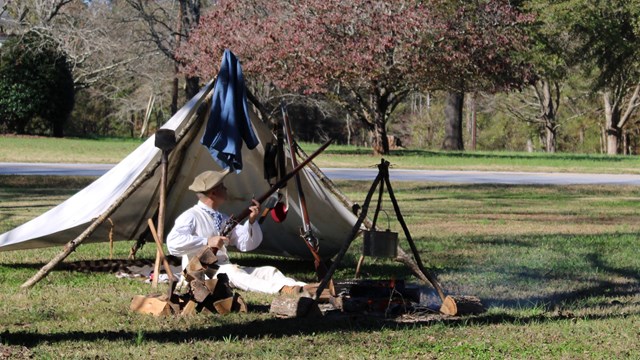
(29, 149)
(558, 268)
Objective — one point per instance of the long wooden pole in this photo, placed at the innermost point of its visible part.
(73, 244)
(308, 237)
(384, 168)
(163, 259)
(349, 239)
(161, 209)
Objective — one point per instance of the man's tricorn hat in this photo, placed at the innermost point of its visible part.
(208, 180)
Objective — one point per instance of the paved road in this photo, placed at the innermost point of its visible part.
(468, 177)
(54, 169)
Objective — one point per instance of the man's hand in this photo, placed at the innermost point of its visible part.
(217, 241)
(255, 211)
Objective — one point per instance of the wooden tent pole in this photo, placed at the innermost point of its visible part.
(73, 244)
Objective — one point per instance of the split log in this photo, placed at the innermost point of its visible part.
(189, 309)
(323, 298)
(210, 272)
(222, 289)
(284, 306)
(462, 305)
(211, 284)
(207, 257)
(238, 304)
(194, 266)
(151, 304)
(199, 290)
(224, 306)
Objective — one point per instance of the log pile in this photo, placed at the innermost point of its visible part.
(205, 292)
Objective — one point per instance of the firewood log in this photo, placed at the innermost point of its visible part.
(207, 257)
(286, 306)
(199, 290)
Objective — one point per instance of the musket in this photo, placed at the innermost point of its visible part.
(307, 233)
(235, 219)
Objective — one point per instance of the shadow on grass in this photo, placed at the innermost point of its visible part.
(282, 328)
(612, 280)
(22, 207)
(620, 280)
(99, 265)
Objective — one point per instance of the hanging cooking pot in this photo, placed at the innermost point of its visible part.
(380, 243)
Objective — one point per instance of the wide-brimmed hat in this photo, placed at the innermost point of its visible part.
(208, 180)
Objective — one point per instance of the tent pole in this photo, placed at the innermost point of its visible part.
(73, 244)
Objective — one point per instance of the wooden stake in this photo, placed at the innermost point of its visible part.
(160, 252)
(161, 208)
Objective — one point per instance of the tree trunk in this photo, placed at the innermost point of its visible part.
(174, 93)
(612, 119)
(58, 129)
(625, 143)
(474, 122)
(192, 87)
(549, 111)
(380, 140)
(613, 139)
(453, 121)
(550, 139)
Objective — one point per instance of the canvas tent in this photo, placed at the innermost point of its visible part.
(331, 220)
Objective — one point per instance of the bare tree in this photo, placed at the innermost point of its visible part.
(86, 32)
(539, 106)
(103, 47)
(167, 24)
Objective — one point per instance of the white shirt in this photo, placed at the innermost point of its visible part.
(194, 226)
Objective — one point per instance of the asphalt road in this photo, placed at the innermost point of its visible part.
(447, 176)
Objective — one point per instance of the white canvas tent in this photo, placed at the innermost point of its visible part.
(331, 220)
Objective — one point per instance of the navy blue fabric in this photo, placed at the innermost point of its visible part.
(229, 124)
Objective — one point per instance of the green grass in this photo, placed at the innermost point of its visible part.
(557, 266)
(69, 150)
(29, 149)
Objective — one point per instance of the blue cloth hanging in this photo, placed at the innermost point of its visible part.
(229, 124)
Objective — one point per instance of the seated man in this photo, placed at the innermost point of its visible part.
(201, 226)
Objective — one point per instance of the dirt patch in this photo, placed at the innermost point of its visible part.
(15, 352)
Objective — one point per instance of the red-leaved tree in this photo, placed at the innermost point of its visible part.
(366, 56)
